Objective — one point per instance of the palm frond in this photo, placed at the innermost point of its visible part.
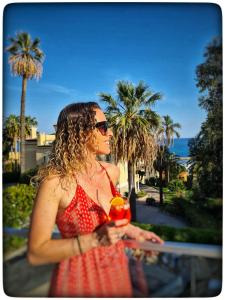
(108, 99)
(153, 98)
(176, 125)
(140, 89)
(25, 57)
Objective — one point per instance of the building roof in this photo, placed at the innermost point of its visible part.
(183, 173)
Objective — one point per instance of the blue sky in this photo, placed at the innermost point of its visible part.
(89, 47)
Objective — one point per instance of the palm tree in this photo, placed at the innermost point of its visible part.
(25, 60)
(12, 129)
(170, 129)
(165, 133)
(29, 123)
(132, 121)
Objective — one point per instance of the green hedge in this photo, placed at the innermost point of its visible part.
(176, 185)
(17, 205)
(11, 243)
(196, 214)
(188, 235)
(141, 194)
(17, 208)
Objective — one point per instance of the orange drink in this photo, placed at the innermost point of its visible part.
(120, 209)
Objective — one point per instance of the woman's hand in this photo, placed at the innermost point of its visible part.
(111, 232)
(141, 235)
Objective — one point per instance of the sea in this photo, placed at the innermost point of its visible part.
(180, 147)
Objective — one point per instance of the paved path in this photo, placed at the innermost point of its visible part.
(153, 215)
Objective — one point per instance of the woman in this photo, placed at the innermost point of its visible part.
(75, 192)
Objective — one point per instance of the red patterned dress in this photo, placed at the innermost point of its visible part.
(99, 272)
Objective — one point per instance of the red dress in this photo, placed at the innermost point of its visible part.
(99, 272)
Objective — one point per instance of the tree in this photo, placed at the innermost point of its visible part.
(11, 131)
(206, 148)
(25, 60)
(170, 129)
(165, 133)
(29, 123)
(132, 121)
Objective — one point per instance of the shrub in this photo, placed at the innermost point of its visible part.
(11, 243)
(188, 235)
(17, 205)
(152, 181)
(176, 206)
(176, 185)
(141, 194)
(196, 214)
(11, 167)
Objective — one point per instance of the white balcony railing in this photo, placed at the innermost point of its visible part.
(200, 259)
(204, 250)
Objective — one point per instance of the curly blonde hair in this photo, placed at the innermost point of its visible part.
(75, 126)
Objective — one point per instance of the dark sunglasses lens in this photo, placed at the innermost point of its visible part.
(102, 127)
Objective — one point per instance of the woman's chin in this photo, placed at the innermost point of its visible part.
(104, 152)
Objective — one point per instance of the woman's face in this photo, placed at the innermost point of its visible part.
(102, 137)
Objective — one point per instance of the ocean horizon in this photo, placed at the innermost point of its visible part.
(180, 147)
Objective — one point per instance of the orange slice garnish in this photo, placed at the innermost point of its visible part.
(117, 201)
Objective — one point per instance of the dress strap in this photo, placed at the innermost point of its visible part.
(113, 189)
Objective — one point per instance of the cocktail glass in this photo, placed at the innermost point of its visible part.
(120, 209)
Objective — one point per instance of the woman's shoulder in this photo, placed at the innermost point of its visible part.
(55, 183)
(112, 170)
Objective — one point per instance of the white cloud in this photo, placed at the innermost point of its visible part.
(60, 89)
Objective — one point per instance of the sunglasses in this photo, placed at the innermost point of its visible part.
(102, 127)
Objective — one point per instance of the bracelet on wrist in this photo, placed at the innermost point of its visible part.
(79, 245)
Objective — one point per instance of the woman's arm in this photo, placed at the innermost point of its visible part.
(41, 248)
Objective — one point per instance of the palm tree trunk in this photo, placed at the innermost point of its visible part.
(167, 172)
(22, 125)
(168, 175)
(132, 190)
(15, 153)
(160, 186)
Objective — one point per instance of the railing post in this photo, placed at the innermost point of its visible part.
(193, 278)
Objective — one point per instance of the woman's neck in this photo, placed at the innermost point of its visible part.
(91, 161)
(92, 166)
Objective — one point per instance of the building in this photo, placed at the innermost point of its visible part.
(183, 176)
